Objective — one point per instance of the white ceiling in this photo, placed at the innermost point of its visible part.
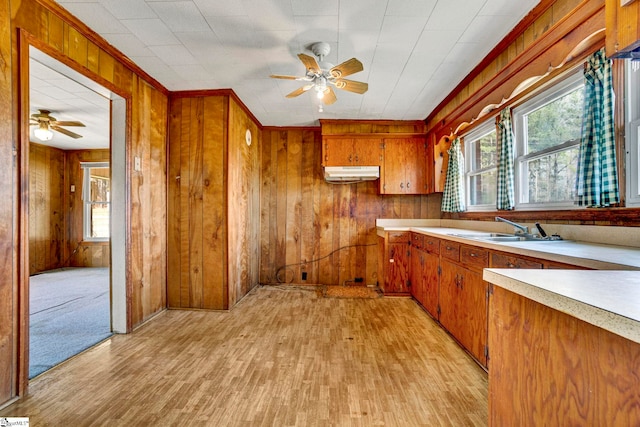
(414, 51)
(69, 96)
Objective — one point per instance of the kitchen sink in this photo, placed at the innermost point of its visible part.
(505, 237)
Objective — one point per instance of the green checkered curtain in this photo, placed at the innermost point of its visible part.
(506, 193)
(597, 180)
(453, 195)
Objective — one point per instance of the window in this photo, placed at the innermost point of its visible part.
(481, 153)
(547, 131)
(96, 193)
(632, 132)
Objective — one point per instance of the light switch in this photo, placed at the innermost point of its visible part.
(136, 164)
(73, 188)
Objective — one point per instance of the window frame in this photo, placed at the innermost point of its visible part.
(87, 202)
(632, 132)
(555, 90)
(486, 127)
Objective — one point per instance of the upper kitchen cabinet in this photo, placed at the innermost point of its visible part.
(622, 29)
(341, 151)
(408, 169)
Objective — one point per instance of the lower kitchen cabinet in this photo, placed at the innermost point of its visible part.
(431, 283)
(463, 305)
(395, 258)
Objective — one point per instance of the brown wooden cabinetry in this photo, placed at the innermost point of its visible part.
(341, 151)
(463, 297)
(501, 260)
(622, 29)
(406, 167)
(395, 258)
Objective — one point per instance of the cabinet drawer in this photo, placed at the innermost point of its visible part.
(431, 244)
(417, 240)
(399, 237)
(474, 257)
(450, 250)
(506, 261)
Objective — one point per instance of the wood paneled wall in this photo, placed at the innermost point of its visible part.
(213, 202)
(59, 34)
(243, 207)
(324, 230)
(79, 253)
(197, 219)
(47, 213)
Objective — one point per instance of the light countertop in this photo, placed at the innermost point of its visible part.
(596, 256)
(607, 299)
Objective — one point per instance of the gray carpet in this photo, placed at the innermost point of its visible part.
(69, 311)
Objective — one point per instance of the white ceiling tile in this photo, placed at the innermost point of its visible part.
(97, 17)
(129, 9)
(401, 30)
(152, 32)
(174, 55)
(422, 8)
(242, 42)
(180, 16)
(221, 8)
(233, 31)
(453, 14)
(315, 7)
(362, 14)
(129, 44)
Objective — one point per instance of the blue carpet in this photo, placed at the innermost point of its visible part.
(69, 311)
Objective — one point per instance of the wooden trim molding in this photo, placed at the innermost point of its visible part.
(94, 37)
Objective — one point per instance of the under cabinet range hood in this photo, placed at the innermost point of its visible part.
(347, 174)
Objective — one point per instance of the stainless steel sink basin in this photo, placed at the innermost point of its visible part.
(505, 237)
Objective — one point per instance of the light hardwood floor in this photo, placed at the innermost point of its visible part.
(283, 356)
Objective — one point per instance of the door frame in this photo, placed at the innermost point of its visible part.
(120, 204)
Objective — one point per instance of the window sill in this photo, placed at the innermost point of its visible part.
(95, 242)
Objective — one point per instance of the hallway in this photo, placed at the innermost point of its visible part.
(282, 356)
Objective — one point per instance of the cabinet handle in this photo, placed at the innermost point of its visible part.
(408, 184)
(326, 158)
(402, 185)
(511, 265)
(350, 158)
(473, 254)
(357, 158)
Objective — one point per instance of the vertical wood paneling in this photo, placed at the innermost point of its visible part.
(331, 216)
(214, 231)
(47, 220)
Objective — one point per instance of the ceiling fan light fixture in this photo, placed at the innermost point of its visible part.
(43, 133)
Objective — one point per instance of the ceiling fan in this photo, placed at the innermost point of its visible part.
(46, 123)
(322, 75)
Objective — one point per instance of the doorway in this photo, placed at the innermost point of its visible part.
(76, 220)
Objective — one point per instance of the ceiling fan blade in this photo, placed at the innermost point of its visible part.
(66, 132)
(352, 85)
(350, 66)
(310, 63)
(329, 96)
(280, 76)
(69, 123)
(299, 91)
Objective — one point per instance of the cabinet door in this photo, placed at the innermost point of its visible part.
(415, 166)
(431, 284)
(417, 268)
(398, 270)
(622, 29)
(367, 151)
(473, 310)
(394, 166)
(463, 307)
(337, 151)
(449, 297)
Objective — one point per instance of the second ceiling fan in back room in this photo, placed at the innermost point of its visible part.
(322, 75)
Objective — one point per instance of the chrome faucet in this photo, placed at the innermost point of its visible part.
(523, 228)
